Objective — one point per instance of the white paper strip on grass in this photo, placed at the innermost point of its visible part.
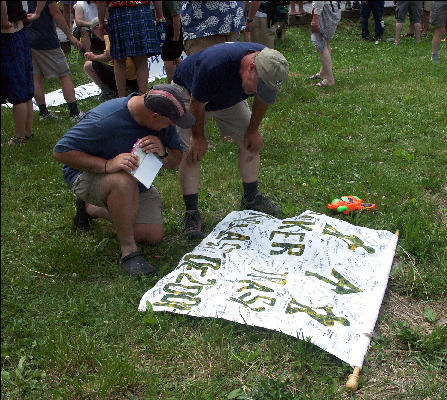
(56, 98)
(310, 276)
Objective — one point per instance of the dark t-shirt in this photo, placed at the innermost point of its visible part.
(212, 74)
(42, 33)
(108, 130)
(170, 8)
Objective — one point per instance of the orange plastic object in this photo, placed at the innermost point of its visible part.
(348, 204)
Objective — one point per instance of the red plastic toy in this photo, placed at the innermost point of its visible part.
(348, 204)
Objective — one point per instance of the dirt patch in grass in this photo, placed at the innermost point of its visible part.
(391, 370)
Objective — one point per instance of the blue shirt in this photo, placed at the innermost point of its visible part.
(212, 75)
(42, 33)
(208, 18)
(108, 130)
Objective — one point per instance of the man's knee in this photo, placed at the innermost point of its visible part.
(122, 181)
(148, 233)
(88, 67)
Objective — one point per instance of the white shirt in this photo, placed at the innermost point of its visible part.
(90, 10)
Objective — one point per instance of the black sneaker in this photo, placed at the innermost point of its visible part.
(262, 204)
(193, 224)
(81, 218)
(135, 264)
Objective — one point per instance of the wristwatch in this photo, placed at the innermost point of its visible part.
(164, 155)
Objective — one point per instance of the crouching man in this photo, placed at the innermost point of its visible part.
(97, 157)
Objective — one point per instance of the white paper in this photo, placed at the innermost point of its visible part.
(309, 276)
(149, 165)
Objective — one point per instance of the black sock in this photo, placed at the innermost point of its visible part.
(43, 109)
(73, 107)
(191, 201)
(250, 190)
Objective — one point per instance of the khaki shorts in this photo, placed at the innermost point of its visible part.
(261, 33)
(232, 121)
(50, 63)
(195, 45)
(87, 187)
(427, 5)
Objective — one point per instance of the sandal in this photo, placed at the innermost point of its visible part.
(316, 76)
(409, 35)
(135, 264)
(16, 140)
(324, 83)
(29, 137)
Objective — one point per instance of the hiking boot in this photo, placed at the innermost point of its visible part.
(48, 116)
(104, 96)
(193, 224)
(81, 218)
(77, 118)
(262, 204)
(135, 264)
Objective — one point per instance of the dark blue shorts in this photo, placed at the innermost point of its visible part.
(17, 68)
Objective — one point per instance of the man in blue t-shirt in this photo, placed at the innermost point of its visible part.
(98, 159)
(216, 82)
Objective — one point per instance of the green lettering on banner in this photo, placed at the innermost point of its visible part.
(270, 301)
(195, 261)
(327, 319)
(254, 285)
(289, 247)
(352, 241)
(302, 223)
(229, 235)
(244, 222)
(231, 246)
(343, 286)
(270, 276)
(287, 234)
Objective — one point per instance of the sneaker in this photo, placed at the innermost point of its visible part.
(77, 118)
(105, 96)
(81, 218)
(193, 224)
(46, 117)
(262, 204)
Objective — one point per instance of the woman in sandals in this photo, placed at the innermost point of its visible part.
(17, 70)
(325, 18)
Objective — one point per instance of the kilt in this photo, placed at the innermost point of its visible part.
(132, 32)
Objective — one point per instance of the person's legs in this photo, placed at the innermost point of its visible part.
(69, 95)
(436, 42)
(89, 70)
(417, 31)
(326, 65)
(142, 72)
(170, 67)
(119, 68)
(424, 22)
(29, 118)
(86, 42)
(365, 11)
(399, 26)
(39, 91)
(19, 111)
(377, 9)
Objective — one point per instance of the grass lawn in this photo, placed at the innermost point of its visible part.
(70, 325)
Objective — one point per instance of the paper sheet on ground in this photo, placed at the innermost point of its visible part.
(56, 98)
(310, 276)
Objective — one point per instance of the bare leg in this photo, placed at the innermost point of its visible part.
(248, 164)
(39, 92)
(68, 88)
(88, 68)
(326, 64)
(18, 112)
(417, 31)
(86, 42)
(189, 173)
(29, 118)
(436, 41)
(398, 31)
(119, 67)
(170, 67)
(142, 72)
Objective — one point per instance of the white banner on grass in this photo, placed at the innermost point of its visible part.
(56, 98)
(310, 276)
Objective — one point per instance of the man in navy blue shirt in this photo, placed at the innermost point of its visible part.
(98, 161)
(216, 83)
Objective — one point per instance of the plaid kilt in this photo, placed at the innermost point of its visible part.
(132, 32)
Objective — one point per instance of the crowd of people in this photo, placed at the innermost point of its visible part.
(169, 120)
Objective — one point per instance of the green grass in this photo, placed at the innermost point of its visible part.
(70, 325)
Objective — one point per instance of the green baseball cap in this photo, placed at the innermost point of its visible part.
(273, 69)
(94, 23)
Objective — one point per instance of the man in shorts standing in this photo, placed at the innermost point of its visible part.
(414, 8)
(216, 82)
(98, 161)
(48, 58)
(172, 48)
(438, 18)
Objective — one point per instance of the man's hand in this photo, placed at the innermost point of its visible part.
(253, 141)
(122, 162)
(197, 148)
(315, 24)
(152, 144)
(89, 56)
(75, 42)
